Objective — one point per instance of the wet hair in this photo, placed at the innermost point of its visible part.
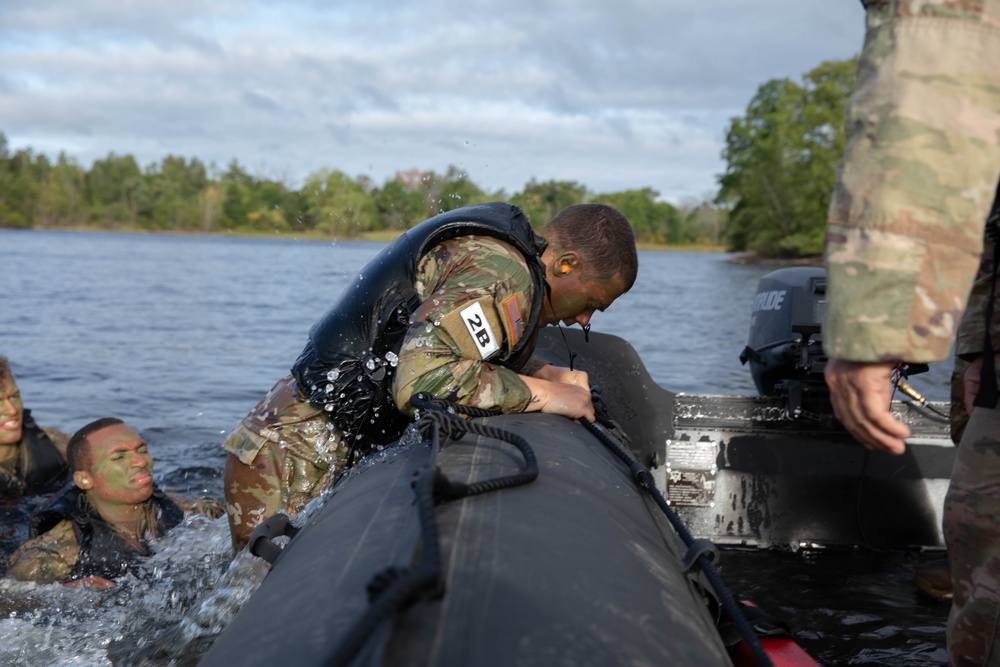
(78, 450)
(603, 237)
(5, 372)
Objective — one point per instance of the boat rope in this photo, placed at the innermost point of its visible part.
(702, 552)
(396, 588)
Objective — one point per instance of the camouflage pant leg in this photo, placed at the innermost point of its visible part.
(276, 481)
(972, 532)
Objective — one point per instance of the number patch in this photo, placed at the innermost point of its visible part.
(482, 335)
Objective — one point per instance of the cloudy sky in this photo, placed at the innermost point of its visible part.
(612, 94)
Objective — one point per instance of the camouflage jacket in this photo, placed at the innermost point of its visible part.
(918, 175)
(441, 353)
(55, 556)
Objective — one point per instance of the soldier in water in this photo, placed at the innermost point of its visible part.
(101, 528)
(32, 458)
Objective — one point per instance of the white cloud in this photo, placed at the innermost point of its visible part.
(613, 95)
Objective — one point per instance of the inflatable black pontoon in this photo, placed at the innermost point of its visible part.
(575, 566)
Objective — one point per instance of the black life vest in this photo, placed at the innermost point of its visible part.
(41, 468)
(101, 550)
(344, 367)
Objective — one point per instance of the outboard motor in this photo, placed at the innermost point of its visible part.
(785, 349)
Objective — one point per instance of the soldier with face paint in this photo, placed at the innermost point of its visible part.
(99, 529)
(32, 458)
(452, 308)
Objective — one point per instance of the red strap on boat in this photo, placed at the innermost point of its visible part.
(782, 651)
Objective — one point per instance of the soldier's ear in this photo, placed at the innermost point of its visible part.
(82, 480)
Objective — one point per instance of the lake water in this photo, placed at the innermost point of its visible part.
(181, 335)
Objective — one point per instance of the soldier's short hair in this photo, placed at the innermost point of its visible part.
(603, 237)
(78, 449)
(5, 372)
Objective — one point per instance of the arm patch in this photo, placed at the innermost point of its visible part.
(474, 327)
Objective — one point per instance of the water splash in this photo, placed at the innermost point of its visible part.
(54, 625)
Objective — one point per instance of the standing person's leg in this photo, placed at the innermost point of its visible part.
(972, 532)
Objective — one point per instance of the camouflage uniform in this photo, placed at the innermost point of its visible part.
(51, 557)
(919, 171)
(905, 236)
(285, 450)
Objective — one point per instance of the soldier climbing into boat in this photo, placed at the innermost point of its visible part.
(99, 527)
(451, 308)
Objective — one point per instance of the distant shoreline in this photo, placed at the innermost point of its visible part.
(386, 236)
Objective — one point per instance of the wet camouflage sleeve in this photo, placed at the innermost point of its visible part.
(917, 178)
(207, 507)
(47, 558)
(439, 354)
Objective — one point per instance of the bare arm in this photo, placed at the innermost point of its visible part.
(560, 398)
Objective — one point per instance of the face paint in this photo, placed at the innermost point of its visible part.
(575, 299)
(11, 413)
(121, 469)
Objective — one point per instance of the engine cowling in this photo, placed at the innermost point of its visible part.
(785, 347)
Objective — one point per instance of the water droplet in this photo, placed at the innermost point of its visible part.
(332, 375)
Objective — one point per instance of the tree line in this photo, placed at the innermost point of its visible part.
(180, 194)
(780, 159)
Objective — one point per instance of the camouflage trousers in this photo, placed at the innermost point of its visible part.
(972, 532)
(280, 456)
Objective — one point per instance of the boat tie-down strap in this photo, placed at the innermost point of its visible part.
(700, 556)
(395, 588)
(696, 550)
(442, 415)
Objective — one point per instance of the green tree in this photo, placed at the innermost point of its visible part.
(399, 207)
(781, 161)
(338, 205)
(171, 196)
(9, 215)
(652, 221)
(20, 187)
(60, 195)
(541, 201)
(458, 191)
(704, 221)
(111, 190)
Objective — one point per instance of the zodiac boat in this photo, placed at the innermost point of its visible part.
(457, 549)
